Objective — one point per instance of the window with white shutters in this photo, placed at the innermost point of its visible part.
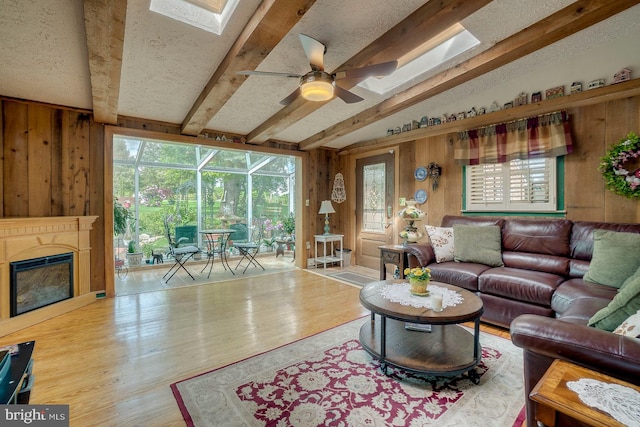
(519, 185)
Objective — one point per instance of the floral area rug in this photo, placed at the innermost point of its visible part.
(329, 380)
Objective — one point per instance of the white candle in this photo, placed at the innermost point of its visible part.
(436, 302)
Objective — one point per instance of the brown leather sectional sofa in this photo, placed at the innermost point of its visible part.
(540, 295)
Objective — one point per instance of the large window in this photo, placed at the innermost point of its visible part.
(198, 187)
(519, 185)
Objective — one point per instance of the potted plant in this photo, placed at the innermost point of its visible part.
(121, 217)
(147, 250)
(133, 255)
(289, 225)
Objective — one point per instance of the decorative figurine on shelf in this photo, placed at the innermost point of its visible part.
(554, 92)
(576, 87)
(521, 99)
(424, 122)
(622, 75)
(536, 97)
(410, 214)
(472, 112)
(494, 107)
(595, 83)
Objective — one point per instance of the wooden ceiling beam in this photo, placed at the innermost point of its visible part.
(425, 23)
(269, 24)
(104, 28)
(573, 18)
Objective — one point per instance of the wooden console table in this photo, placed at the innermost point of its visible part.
(393, 254)
(552, 395)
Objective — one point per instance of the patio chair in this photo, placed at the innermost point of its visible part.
(180, 254)
(249, 250)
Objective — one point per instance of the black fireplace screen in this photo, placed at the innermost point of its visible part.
(39, 282)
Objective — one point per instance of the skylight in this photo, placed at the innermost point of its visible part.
(200, 13)
(455, 40)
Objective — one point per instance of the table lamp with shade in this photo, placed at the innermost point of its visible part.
(326, 208)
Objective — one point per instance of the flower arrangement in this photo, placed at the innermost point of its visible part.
(418, 273)
(616, 164)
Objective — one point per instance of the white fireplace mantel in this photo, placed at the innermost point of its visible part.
(27, 238)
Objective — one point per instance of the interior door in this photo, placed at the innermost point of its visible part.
(374, 207)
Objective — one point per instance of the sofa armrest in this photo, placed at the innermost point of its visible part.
(593, 348)
(545, 339)
(420, 255)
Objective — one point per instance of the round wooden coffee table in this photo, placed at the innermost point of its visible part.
(448, 350)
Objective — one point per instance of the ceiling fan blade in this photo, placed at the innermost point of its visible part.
(289, 99)
(382, 69)
(345, 95)
(266, 73)
(314, 51)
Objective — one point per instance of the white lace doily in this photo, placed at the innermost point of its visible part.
(622, 403)
(401, 293)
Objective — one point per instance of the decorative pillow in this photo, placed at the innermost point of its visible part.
(479, 244)
(630, 327)
(441, 242)
(624, 304)
(615, 257)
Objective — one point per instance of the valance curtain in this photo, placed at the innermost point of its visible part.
(542, 136)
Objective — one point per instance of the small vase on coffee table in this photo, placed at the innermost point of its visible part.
(419, 287)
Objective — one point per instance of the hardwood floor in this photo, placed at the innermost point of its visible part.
(113, 361)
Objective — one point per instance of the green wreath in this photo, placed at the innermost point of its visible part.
(615, 167)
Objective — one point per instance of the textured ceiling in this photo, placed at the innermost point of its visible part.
(166, 64)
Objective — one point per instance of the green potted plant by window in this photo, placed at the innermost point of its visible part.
(121, 217)
(134, 257)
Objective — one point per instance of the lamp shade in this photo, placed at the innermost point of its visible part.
(326, 207)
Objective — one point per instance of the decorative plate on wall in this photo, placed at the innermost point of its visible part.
(421, 173)
(420, 196)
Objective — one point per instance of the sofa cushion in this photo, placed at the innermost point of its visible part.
(441, 239)
(582, 310)
(615, 257)
(528, 286)
(538, 262)
(479, 244)
(630, 327)
(624, 304)
(573, 290)
(462, 274)
(548, 236)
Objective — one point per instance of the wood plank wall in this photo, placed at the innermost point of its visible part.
(52, 166)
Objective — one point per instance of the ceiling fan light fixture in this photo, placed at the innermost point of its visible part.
(317, 86)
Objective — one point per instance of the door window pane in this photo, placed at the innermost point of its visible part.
(373, 197)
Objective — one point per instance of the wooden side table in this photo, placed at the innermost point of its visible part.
(392, 254)
(552, 395)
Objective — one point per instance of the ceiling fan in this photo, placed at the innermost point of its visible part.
(317, 84)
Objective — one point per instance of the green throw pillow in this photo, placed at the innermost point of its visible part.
(615, 257)
(479, 244)
(624, 304)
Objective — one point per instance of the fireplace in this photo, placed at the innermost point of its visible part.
(43, 240)
(38, 282)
